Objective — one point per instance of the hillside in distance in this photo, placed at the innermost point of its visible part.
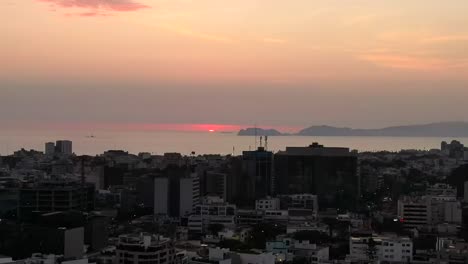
(443, 129)
(252, 131)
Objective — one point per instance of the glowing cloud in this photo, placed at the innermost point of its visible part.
(99, 5)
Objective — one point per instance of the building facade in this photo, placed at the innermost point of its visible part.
(330, 173)
(145, 249)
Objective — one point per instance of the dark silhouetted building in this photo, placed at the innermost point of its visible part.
(145, 248)
(330, 173)
(63, 147)
(54, 195)
(176, 192)
(215, 184)
(257, 178)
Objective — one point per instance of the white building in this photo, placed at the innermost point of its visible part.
(420, 211)
(286, 249)
(441, 189)
(189, 194)
(144, 248)
(267, 203)
(415, 212)
(307, 226)
(387, 248)
(225, 256)
(302, 204)
(213, 210)
(176, 202)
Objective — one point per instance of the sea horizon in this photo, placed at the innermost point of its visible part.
(201, 142)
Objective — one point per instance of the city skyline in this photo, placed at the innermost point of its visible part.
(71, 63)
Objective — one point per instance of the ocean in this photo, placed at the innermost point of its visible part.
(159, 142)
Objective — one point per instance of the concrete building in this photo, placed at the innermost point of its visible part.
(286, 249)
(144, 248)
(301, 204)
(50, 148)
(423, 211)
(391, 249)
(225, 256)
(415, 212)
(215, 183)
(451, 250)
(213, 210)
(312, 252)
(257, 174)
(268, 203)
(189, 194)
(176, 195)
(161, 196)
(330, 173)
(54, 195)
(441, 189)
(64, 147)
(66, 241)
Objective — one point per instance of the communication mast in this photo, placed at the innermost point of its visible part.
(255, 134)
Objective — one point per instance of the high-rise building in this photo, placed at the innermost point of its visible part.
(64, 147)
(330, 173)
(144, 249)
(49, 148)
(215, 183)
(54, 195)
(257, 176)
(189, 194)
(176, 192)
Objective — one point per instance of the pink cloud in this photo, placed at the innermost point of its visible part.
(95, 5)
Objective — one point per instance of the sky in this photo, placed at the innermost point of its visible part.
(197, 64)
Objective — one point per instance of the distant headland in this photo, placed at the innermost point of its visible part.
(441, 129)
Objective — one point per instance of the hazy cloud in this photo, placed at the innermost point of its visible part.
(188, 32)
(274, 40)
(446, 38)
(105, 5)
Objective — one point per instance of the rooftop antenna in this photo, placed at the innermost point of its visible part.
(255, 134)
(266, 142)
(261, 141)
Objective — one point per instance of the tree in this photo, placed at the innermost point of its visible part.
(313, 236)
(371, 249)
(214, 229)
(331, 223)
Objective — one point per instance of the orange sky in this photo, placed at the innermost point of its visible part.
(190, 53)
